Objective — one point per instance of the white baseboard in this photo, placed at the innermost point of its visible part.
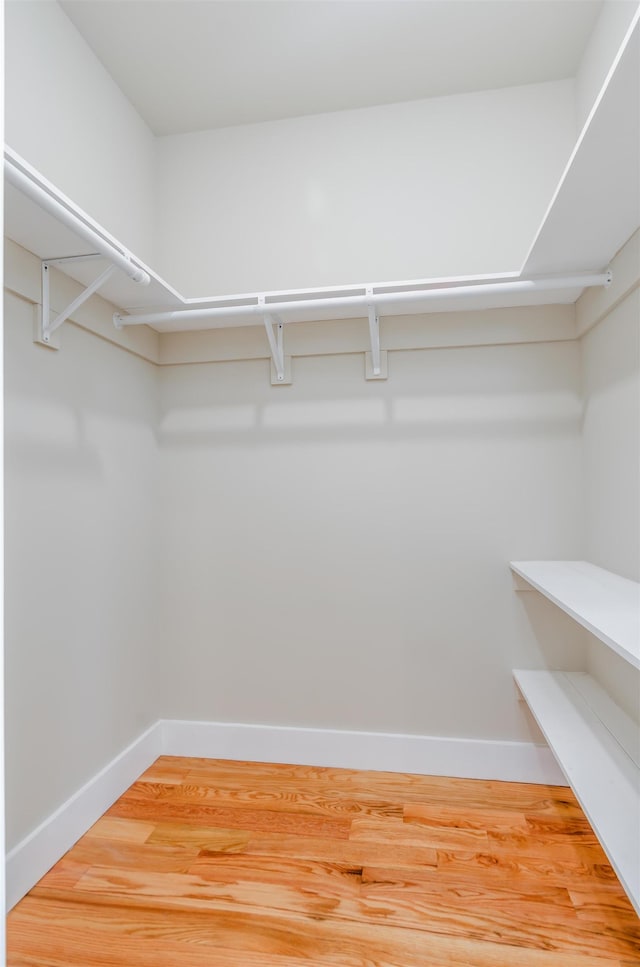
(388, 752)
(36, 854)
(427, 755)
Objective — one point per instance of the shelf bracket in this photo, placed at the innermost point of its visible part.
(47, 326)
(281, 363)
(376, 360)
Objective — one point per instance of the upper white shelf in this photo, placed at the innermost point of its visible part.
(596, 206)
(605, 604)
(39, 232)
(593, 212)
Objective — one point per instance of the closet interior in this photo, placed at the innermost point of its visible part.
(322, 436)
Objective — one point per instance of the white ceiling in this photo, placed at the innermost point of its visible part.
(189, 65)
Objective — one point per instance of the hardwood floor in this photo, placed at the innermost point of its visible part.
(208, 863)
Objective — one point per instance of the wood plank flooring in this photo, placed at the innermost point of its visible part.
(210, 863)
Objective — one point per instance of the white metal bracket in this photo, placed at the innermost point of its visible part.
(383, 370)
(46, 326)
(375, 365)
(281, 364)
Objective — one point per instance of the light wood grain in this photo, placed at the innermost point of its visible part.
(227, 864)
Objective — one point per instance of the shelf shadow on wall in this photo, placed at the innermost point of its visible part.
(258, 425)
(59, 446)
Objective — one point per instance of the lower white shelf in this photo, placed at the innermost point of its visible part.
(597, 747)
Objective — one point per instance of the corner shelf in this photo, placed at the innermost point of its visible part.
(596, 744)
(607, 153)
(598, 748)
(605, 604)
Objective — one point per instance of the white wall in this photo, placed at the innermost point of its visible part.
(336, 551)
(332, 553)
(611, 366)
(611, 467)
(604, 43)
(191, 542)
(81, 588)
(446, 186)
(67, 117)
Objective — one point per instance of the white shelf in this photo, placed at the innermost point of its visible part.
(596, 206)
(595, 743)
(595, 209)
(605, 604)
(35, 229)
(598, 188)
(39, 232)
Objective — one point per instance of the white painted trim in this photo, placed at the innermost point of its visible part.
(36, 854)
(388, 752)
(428, 755)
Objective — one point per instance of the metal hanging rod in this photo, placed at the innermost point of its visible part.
(120, 258)
(369, 300)
(278, 307)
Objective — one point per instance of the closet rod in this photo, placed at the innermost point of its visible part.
(67, 217)
(518, 287)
